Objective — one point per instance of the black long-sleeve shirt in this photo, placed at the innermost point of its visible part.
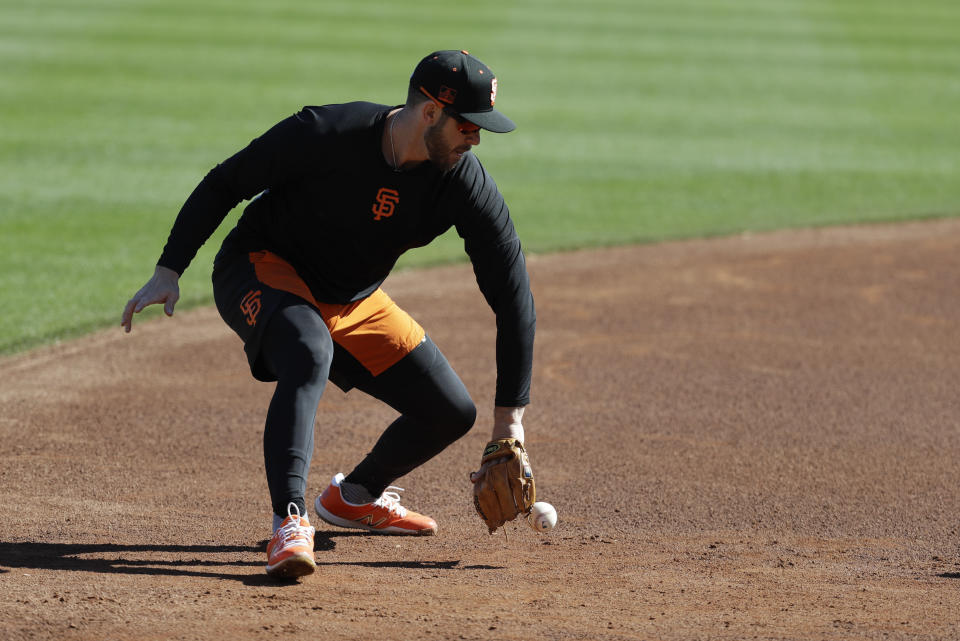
(332, 207)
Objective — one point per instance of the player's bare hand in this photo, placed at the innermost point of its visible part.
(163, 287)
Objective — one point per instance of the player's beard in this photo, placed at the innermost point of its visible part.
(440, 153)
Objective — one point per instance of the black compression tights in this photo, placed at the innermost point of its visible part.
(435, 407)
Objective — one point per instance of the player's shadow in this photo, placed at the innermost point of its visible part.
(110, 558)
(177, 560)
(413, 565)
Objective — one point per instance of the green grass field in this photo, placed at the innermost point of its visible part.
(639, 120)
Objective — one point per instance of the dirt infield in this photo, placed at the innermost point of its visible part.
(747, 438)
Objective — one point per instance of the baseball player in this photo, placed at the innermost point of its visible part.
(338, 193)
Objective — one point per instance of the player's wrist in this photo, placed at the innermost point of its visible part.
(507, 423)
(166, 274)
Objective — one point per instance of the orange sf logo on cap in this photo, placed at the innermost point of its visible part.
(493, 92)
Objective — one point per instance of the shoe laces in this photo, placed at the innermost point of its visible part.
(292, 528)
(391, 501)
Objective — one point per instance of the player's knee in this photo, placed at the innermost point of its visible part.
(298, 347)
(459, 416)
(310, 363)
(466, 416)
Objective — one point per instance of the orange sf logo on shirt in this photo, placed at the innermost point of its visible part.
(386, 203)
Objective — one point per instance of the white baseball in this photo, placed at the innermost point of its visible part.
(542, 517)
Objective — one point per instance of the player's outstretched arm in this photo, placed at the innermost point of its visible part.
(163, 287)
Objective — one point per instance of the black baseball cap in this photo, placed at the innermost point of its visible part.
(464, 85)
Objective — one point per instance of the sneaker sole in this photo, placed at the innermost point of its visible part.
(333, 519)
(293, 567)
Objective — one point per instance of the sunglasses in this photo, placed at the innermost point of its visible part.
(464, 126)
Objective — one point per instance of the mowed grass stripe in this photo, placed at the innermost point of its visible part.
(148, 96)
(727, 118)
(639, 121)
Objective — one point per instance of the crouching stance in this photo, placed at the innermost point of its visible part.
(338, 193)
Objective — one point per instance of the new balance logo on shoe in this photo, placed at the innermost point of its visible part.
(368, 520)
(383, 516)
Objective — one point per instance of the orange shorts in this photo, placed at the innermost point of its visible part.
(374, 330)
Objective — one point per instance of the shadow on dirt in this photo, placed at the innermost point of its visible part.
(949, 575)
(414, 565)
(180, 560)
(322, 541)
(107, 558)
(263, 580)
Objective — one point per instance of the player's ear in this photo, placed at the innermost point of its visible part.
(430, 113)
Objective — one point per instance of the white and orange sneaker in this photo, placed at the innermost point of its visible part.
(290, 551)
(383, 516)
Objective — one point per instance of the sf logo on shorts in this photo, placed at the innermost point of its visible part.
(387, 200)
(250, 306)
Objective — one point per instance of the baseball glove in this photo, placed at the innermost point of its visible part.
(503, 487)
